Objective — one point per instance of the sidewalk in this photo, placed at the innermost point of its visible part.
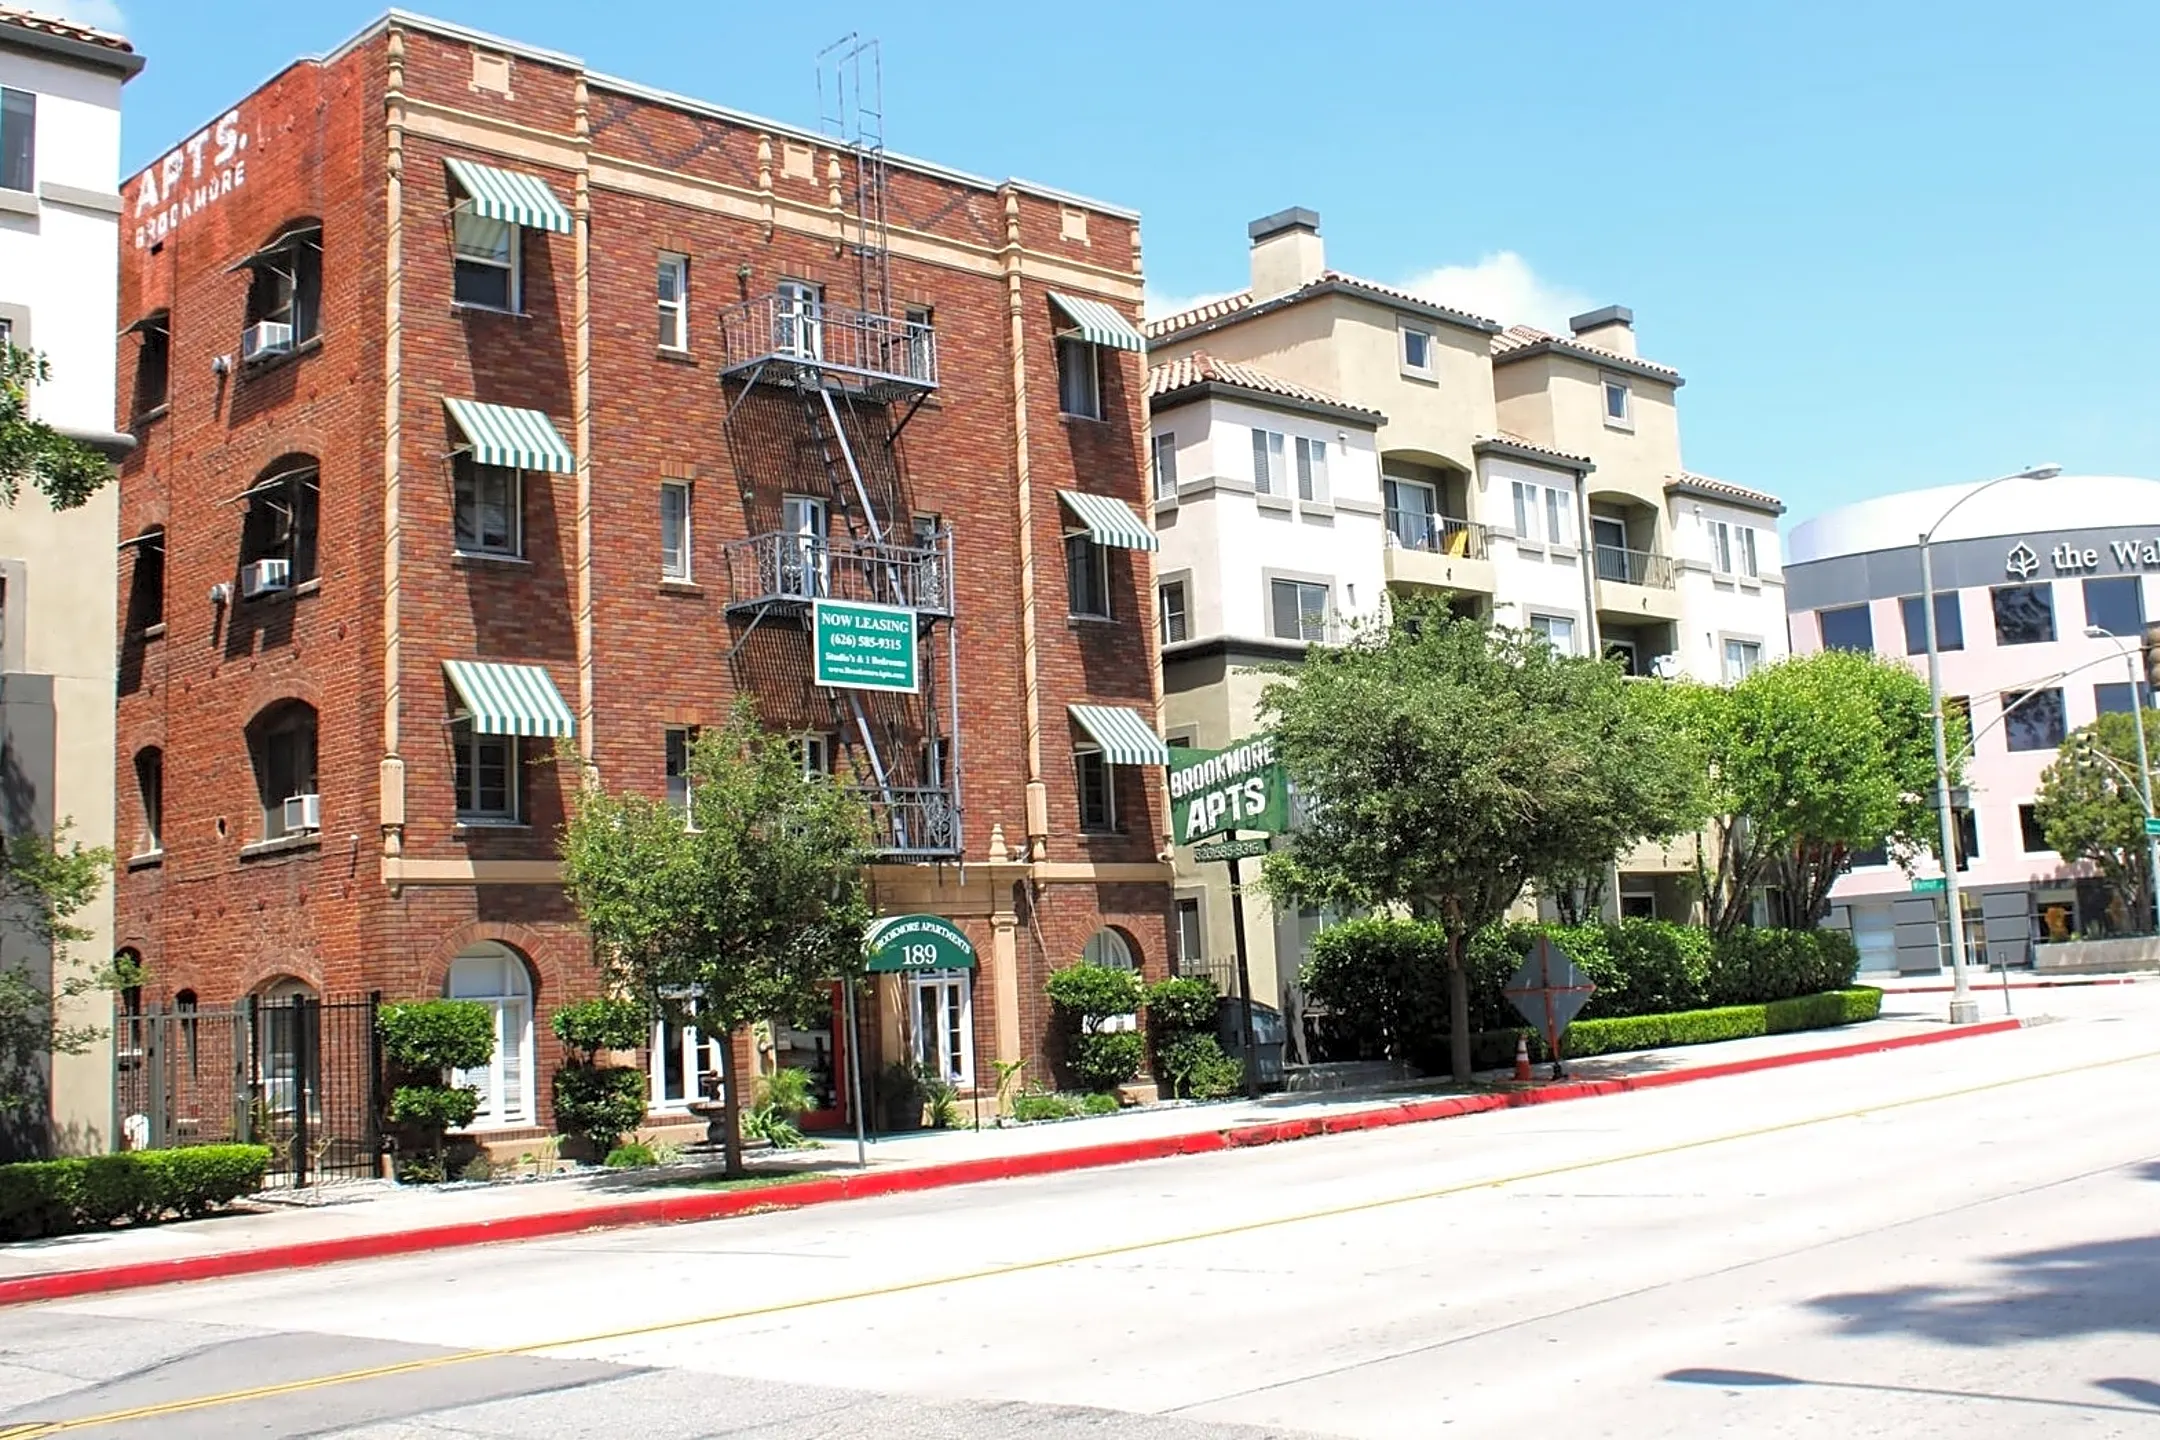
(375, 1219)
(1984, 981)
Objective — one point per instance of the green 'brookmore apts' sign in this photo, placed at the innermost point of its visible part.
(1241, 788)
(864, 647)
(911, 944)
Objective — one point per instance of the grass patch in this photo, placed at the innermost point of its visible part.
(747, 1182)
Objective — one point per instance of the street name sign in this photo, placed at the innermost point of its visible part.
(1230, 850)
(1929, 885)
(1216, 791)
(2152, 825)
(864, 647)
(911, 944)
(1549, 991)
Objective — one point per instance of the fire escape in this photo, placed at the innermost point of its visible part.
(829, 388)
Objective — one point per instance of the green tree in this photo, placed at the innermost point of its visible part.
(46, 881)
(741, 915)
(2089, 807)
(1809, 760)
(1449, 764)
(67, 472)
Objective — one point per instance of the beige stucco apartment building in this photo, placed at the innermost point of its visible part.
(59, 254)
(1321, 440)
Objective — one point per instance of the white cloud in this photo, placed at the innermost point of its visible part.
(98, 14)
(1502, 287)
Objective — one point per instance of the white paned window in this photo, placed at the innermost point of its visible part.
(1312, 470)
(1107, 948)
(1417, 351)
(1298, 610)
(1079, 379)
(680, 1054)
(1526, 511)
(490, 505)
(674, 302)
(1742, 659)
(18, 139)
(1087, 577)
(815, 752)
(677, 767)
(803, 560)
(494, 976)
(1749, 565)
(675, 530)
(1176, 616)
(1558, 631)
(943, 1019)
(1559, 517)
(486, 772)
(1164, 450)
(486, 256)
(1618, 411)
(1270, 475)
(799, 320)
(1098, 791)
(1721, 547)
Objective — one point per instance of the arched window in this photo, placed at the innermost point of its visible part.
(281, 743)
(1107, 947)
(277, 536)
(277, 1054)
(495, 975)
(150, 786)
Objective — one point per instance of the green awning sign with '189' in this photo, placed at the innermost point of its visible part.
(914, 943)
(1241, 788)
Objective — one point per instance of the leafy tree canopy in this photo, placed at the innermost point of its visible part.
(2089, 806)
(66, 472)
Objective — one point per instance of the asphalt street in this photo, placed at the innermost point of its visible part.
(1953, 1240)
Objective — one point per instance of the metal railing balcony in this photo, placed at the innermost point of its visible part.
(1438, 534)
(782, 568)
(884, 353)
(913, 821)
(1635, 567)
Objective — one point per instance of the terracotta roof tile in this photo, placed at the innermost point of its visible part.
(1242, 301)
(1518, 442)
(64, 29)
(1521, 337)
(1201, 368)
(1709, 486)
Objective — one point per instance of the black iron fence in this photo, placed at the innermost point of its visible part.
(296, 1074)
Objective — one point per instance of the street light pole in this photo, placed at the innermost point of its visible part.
(2137, 716)
(1964, 1009)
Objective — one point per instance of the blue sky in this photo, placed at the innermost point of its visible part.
(1889, 245)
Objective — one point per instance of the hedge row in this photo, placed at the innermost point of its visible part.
(59, 1197)
(1585, 1038)
(1384, 982)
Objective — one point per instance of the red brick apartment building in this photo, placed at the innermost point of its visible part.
(487, 404)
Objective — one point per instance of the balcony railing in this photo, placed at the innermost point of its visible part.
(1439, 534)
(1635, 567)
(782, 568)
(913, 821)
(814, 335)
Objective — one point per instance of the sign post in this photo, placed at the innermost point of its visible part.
(1224, 792)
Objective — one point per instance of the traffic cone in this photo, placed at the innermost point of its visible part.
(1522, 1059)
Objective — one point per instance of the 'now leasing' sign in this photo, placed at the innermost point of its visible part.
(1241, 788)
(864, 647)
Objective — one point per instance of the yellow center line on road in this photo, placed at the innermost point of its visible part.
(38, 1430)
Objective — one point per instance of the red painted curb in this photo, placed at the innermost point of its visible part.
(680, 1209)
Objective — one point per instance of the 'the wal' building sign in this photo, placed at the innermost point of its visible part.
(864, 647)
(1241, 788)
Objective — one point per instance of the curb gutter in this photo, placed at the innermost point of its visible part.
(683, 1209)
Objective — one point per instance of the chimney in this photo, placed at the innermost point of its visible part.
(1286, 252)
(1612, 328)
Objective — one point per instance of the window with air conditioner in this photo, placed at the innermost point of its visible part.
(278, 540)
(489, 505)
(281, 742)
(284, 302)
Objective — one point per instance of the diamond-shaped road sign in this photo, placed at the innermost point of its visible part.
(1549, 991)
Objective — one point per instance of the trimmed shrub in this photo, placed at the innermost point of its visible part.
(1189, 1060)
(1757, 965)
(58, 1197)
(604, 1024)
(1587, 1038)
(631, 1157)
(1036, 1105)
(1105, 1060)
(1181, 1005)
(428, 1037)
(599, 1103)
(1099, 1105)
(1197, 1068)
(434, 1107)
(1092, 994)
(1384, 985)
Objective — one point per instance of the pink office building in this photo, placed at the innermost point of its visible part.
(2022, 574)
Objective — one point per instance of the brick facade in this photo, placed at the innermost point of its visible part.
(391, 888)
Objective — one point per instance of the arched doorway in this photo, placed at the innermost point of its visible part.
(494, 975)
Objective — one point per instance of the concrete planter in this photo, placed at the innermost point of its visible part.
(2074, 957)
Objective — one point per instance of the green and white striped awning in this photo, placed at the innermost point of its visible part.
(506, 435)
(507, 195)
(1126, 738)
(510, 699)
(1099, 324)
(1110, 521)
